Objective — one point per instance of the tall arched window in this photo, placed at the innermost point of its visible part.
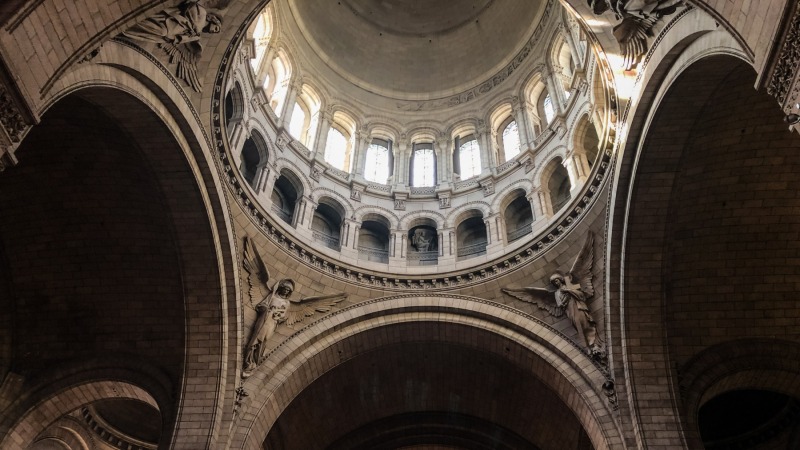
(469, 155)
(298, 123)
(378, 161)
(423, 165)
(511, 140)
(261, 36)
(549, 112)
(337, 149)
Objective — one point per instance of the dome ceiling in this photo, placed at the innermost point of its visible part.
(415, 49)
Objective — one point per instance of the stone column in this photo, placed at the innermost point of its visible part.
(295, 88)
(401, 158)
(362, 140)
(322, 135)
(520, 116)
(575, 53)
(484, 136)
(556, 91)
(578, 168)
(443, 162)
(397, 241)
(263, 67)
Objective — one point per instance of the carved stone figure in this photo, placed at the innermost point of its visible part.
(638, 19)
(571, 292)
(276, 307)
(177, 31)
(421, 241)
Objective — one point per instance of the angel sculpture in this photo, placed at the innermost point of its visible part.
(638, 19)
(177, 32)
(571, 291)
(276, 307)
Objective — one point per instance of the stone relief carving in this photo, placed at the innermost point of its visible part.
(444, 201)
(638, 19)
(570, 291)
(276, 306)
(788, 62)
(422, 240)
(10, 116)
(177, 31)
(488, 187)
(355, 195)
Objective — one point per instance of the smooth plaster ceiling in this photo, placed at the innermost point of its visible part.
(415, 49)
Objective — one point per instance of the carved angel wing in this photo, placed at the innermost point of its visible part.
(632, 34)
(257, 272)
(185, 56)
(541, 297)
(308, 306)
(581, 271)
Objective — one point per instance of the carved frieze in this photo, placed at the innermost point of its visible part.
(786, 67)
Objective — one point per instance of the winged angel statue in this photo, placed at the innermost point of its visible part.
(638, 19)
(177, 31)
(568, 294)
(276, 306)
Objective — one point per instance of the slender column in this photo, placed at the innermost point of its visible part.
(295, 88)
(484, 136)
(535, 205)
(573, 49)
(443, 162)
(401, 163)
(556, 93)
(322, 135)
(518, 110)
(263, 67)
(544, 201)
(362, 141)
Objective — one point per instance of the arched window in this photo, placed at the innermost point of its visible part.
(234, 106)
(423, 165)
(559, 187)
(373, 239)
(469, 155)
(377, 167)
(518, 217)
(511, 140)
(471, 238)
(285, 193)
(337, 149)
(250, 161)
(276, 84)
(547, 106)
(261, 35)
(298, 124)
(327, 223)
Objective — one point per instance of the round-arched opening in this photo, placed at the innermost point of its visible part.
(749, 419)
(423, 243)
(326, 224)
(373, 239)
(471, 237)
(559, 186)
(250, 161)
(518, 216)
(234, 106)
(427, 394)
(285, 194)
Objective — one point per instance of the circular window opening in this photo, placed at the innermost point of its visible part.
(748, 419)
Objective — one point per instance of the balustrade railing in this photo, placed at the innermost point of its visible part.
(286, 216)
(373, 254)
(471, 251)
(328, 240)
(521, 231)
(423, 258)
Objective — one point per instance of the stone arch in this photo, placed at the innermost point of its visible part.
(298, 178)
(454, 216)
(493, 327)
(36, 420)
(543, 170)
(763, 364)
(501, 199)
(390, 216)
(679, 103)
(405, 221)
(345, 206)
